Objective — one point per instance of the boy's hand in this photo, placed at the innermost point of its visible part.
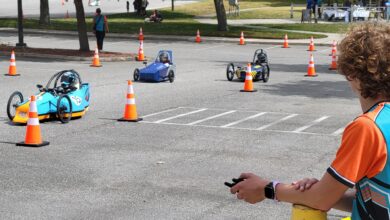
(251, 189)
(304, 184)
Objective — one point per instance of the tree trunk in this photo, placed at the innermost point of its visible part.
(45, 15)
(81, 25)
(173, 5)
(221, 15)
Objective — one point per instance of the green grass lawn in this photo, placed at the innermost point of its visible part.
(325, 28)
(175, 23)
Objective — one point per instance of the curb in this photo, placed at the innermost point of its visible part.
(71, 58)
(170, 37)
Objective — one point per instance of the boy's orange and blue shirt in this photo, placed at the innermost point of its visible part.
(362, 162)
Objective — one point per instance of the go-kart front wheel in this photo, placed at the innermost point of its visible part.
(230, 71)
(64, 109)
(171, 76)
(13, 102)
(136, 75)
(265, 73)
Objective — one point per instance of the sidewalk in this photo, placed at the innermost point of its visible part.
(320, 42)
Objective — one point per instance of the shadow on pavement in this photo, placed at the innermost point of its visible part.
(311, 88)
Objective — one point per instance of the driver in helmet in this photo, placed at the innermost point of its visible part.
(164, 57)
(69, 81)
(261, 58)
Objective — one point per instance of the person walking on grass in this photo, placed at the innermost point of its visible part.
(362, 161)
(100, 27)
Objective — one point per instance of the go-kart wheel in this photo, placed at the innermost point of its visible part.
(265, 73)
(13, 102)
(64, 108)
(230, 71)
(171, 76)
(136, 75)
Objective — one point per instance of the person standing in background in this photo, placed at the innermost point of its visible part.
(100, 28)
(127, 6)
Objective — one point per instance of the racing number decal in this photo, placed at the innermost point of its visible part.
(76, 100)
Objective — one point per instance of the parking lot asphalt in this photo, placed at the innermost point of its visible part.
(198, 132)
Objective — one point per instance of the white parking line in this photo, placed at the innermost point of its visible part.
(311, 124)
(242, 120)
(237, 128)
(206, 48)
(212, 117)
(181, 115)
(275, 122)
(338, 131)
(157, 113)
(272, 47)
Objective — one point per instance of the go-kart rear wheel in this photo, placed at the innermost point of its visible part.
(64, 108)
(171, 76)
(136, 75)
(13, 102)
(230, 71)
(265, 73)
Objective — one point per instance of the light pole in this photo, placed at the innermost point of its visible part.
(20, 25)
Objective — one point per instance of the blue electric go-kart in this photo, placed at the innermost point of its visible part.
(259, 67)
(161, 69)
(64, 97)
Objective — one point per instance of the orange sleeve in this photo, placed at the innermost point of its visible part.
(362, 152)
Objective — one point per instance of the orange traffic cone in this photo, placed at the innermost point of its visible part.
(311, 45)
(197, 39)
(242, 40)
(311, 71)
(12, 65)
(96, 61)
(33, 132)
(334, 48)
(285, 44)
(333, 66)
(141, 56)
(130, 114)
(248, 86)
(141, 34)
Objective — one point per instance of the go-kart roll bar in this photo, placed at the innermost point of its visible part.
(58, 75)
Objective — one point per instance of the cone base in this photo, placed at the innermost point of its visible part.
(136, 58)
(95, 65)
(255, 90)
(24, 144)
(11, 74)
(311, 75)
(130, 120)
(311, 50)
(330, 68)
(242, 44)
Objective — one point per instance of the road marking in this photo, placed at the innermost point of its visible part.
(338, 131)
(237, 128)
(242, 120)
(212, 117)
(181, 115)
(276, 122)
(311, 124)
(206, 48)
(273, 47)
(157, 45)
(157, 113)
